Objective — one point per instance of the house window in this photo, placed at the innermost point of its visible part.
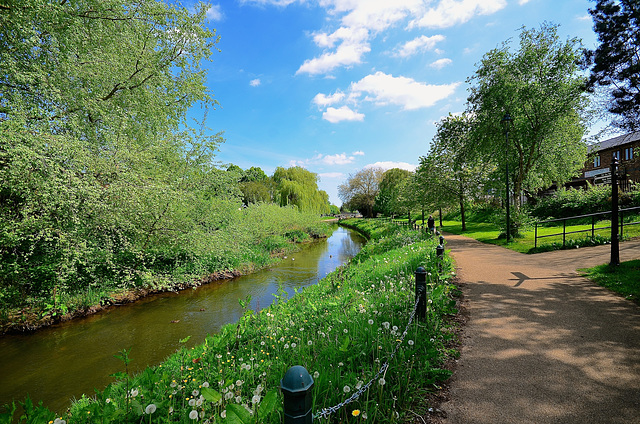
(628, 153)
(596, 161)
(616, 154)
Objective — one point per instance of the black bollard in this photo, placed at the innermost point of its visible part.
(296, 387)
(421, 292)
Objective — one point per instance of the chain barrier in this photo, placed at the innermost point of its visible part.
(325, 412)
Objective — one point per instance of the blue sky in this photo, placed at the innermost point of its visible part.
(339, 85)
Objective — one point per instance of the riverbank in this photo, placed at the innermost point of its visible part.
(353, 331)
(57, 309)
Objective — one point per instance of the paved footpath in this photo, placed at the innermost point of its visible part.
(542, 344)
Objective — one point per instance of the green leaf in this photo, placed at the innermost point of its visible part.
(268, 404)
(211, 395)
(236, 414)
(345, 344)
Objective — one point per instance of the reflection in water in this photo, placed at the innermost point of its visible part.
(56, 364)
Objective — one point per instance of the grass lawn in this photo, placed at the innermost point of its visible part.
(623, 279)
(488, 233)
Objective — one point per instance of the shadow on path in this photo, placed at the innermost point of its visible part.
(542, 344)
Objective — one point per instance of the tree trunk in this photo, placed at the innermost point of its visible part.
(464, 223)
(440, 215)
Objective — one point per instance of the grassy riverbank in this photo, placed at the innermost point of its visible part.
(342, 330)
(251, 238)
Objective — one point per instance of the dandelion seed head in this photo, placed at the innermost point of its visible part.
(193, 414)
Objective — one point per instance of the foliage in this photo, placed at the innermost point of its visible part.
(299, 187)
(360, 190)
(615, 63)
(541, 87)
(623, 279)
(572, 202)
(342, 330)
(452, 173)
(389, 200)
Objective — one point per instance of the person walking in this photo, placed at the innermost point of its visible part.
(431, 224)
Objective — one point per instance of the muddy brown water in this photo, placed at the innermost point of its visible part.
(58, 364)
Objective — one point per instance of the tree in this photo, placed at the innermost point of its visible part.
(388, 199)
(540, 86)
(298, 186)
(454, 172)
(615, 63)
(98, 169)
(360, 190)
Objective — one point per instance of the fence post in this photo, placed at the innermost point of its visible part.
(535, 238)
(564, 232)
(615, 246)
(421, 292)
(593, 225)
(440, 254)
(296, 387)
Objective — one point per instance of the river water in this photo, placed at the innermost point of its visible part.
(60, 363)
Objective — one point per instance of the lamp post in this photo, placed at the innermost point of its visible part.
(506, 123)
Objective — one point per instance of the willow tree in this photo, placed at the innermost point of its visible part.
(389, 199)
(297, 186)
(97, 162)
(540, 85)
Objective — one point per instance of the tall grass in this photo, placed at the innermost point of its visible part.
(342, 330)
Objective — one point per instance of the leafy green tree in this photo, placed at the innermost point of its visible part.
(457, 174)
(95, 174)
(541, 87)
(254, 174)
(615, 63)
(388, 200)
(360, 190)
(298, 186)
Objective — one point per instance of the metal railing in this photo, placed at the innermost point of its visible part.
(591, 230)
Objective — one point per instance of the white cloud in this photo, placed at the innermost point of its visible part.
(339, 159)
(453, 12)
(347, 54)
(343, 113)
(390, 165)
(441, 63)
(332, 175)
(358, 153)
(323, 100)
(255, 82)
(384, 89)
(215, 12)
(419, 44)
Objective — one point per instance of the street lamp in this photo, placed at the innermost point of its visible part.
(506, 124)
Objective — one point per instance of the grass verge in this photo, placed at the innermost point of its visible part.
(623, 279)
(350, 331)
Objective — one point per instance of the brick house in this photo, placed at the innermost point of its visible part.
(597, 168)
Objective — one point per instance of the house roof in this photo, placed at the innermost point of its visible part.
(615, 142)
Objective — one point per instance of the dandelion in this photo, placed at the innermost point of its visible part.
(309, 342)
(386, 325)
(364, 415)
(370, 322)
(150, 409)
(286, 345)
(359, 384)
(108, 400)
(382, 382)
(238, 399)
(345, 331)
(255, 399)
(346, 389)
(59, 421)
(193, 414)
(173, 383)
(395, 328)
(223, 414)
(410, 342)
(192, 402)
(316, 374)
(134, 392)
(195, 393)
(199, 402)
(239, 383)
(340, 364)
(355, 412)
(228, 395)
(205, 384)
(171, 409)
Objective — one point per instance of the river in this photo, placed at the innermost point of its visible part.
(57, 364)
